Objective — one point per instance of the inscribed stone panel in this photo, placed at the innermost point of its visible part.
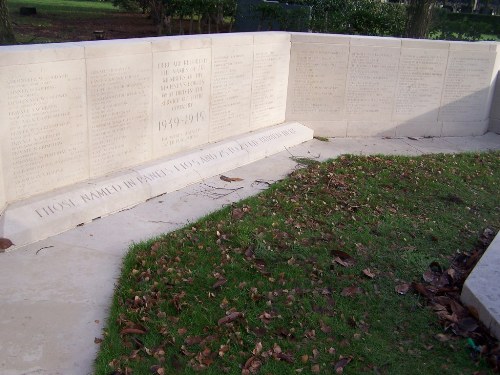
(371, 82)
(466, 86)
(317, 79)
(3, 200)
(420, 84)
(181, 100)
(44, 139)
(231, 90)
(269, 84)
(119, 95)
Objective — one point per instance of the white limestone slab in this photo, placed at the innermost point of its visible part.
(420, 83)
(319, 38)
(327, 128)
(425, 44)
(371, 81)
(374, 41)
(181, 100)
(417, 128)
(271, 37)
(43, 122)
(317, 81)
(464, 128)
(269, 82)
(3, 199)
(40, 53)
(119, 97)
(467, 85)
(369, 128)
(481, 290)
(183, 42)
(231, 89)
(45, 215)
(116, 47)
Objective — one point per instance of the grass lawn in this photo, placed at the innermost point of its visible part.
(302, 278)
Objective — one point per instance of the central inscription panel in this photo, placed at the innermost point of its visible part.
(467, 86)
(371, 82)
(316, 89)
(119, 94)
(181, 87)
(269, 84)
(44, 130)
(420, 83)
(231, 90)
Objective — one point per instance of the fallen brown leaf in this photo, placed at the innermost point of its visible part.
(230, 318)
(343, 258)
(136, 331)
(219, 283)
(343, 362)
(5, 243)
(230, 179)
(351, 291)
(402, 288)
(97, 340)
(368, 273)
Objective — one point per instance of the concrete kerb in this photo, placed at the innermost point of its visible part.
(56, 292)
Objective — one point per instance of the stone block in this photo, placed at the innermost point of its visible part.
(231, 91)
(43, 123)
(51, 213)
(317, 81)
(119, 97)
(464, 128)
(375, 41)
(271, 62)
(369, 128)
(481, 290)
(420, 83)
(371, 81)
(327, 128)
(416, 128)
(319, 38)
(40, 53)
(467, 84)
(184, 42)
(181, 100)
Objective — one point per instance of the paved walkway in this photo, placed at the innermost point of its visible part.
(55, 293)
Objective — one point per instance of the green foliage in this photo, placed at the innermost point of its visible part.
(259, 282)
(466, 27)
(364, 17)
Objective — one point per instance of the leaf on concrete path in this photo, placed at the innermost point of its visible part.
(230, 179)
(230, 318)
(402, 288)
(343, 362)
(5, 243)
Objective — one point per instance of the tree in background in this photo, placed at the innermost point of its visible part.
(418, 23)
(6, 32)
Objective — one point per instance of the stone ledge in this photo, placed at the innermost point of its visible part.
(482, 288)
(51, 213)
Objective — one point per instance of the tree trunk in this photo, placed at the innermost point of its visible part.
(419, 18)
(6, 32)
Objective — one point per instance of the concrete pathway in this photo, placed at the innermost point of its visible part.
(55, 293)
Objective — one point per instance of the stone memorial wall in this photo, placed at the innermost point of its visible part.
(370, 86)
(72, 114)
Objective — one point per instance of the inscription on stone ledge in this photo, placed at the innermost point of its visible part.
(181, 101)
(119, 101)
(168, 171)
(231, 91)
(316, 88)
(45, 137)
